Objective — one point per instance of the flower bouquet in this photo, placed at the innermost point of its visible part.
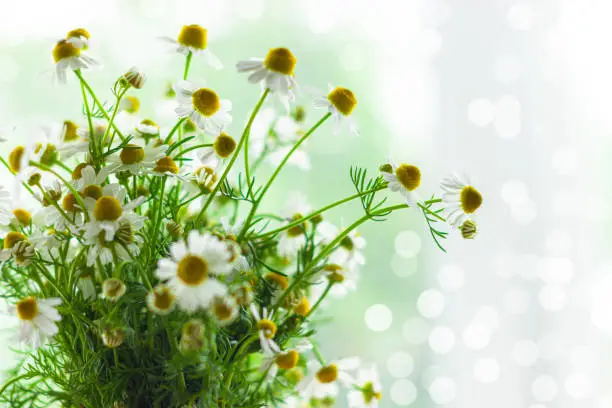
(143, 272)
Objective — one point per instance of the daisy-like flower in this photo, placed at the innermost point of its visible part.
(223, 147)
(130, 104)
(194, 39)
(113, 289)
(223, 310)
(193, 269)
(277, 359)
(461, 198)
(68, 56)
(351, 247)
(404, 179)
(325, 381)
(135, 158)
(87, 286)
(202, 172)
(343, 278)
(340, 102)
(275, 72)
(38, 318)
(368, 389)
(134, 78)
(161, 300)
(125, 245)
(147, 129)
(79, 37)
(10, 244)
(203, 107)
(292, 239)
(266, 328)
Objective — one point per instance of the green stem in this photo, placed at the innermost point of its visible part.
(316, 305)
(14, 380)
(112, 119)
(243, 138)
(187, 64)
(278, 169)
(247, 169)
(181, 153)
(317, 353)
(92, 139)
(433, 214)
(160, 209)
(174, 129)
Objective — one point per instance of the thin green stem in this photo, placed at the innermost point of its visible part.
(14, 380)
(112, 119)
(183, 152)
(174, 129)
(187, 65)
(247, 169)
(243, 138)
(276, 172)
(92, 139)
(321, 298)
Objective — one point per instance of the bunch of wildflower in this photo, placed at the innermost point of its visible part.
(136, 281)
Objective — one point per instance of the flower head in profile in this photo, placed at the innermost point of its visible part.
(194, 39)
(325, 380)
(266, 328)
(136, 158)
(193, 270)
(404, 179)
(367, 389)
(161, 300)
(275, 72)
(79, 37)
(276, 359)
(38, 318)
(203, 107)
(340, 102)
(69, 56)
(461, 198)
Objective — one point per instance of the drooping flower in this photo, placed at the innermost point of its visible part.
(68, 56)
(38, 318)
(340, 102)
(325, 380)
(266, 328)
(461, 198)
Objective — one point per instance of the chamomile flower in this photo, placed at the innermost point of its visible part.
(68, 56)
(61, 141)
(123, 247)
(194, 39)
(161, 300)
(223, 147)
(351, 247)
(367, 389)
(166, 166)
(38, 319)
(266, 328)
(325, 381)
(45, 241)
(275, 72)
(10, 244)
(223, 310)
(130, 104)
(276, 359)
(87, 286)
(404, 179)
(340, 102)
(461, 198)
(343, 277)
(134, 78)
(113, 289)
(292, 239)
(147, 129)
(203, 107)
(136, 158)
(193, 269)
(79, 37)
(203, 170)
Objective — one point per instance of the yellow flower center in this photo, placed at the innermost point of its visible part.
(409, 176)
(132, 154)
(148, 122)
(280, 60)
(369, 393)
(78, 33)
(23, 216)
(268, 327)
(166, 165)
(327, 374)
(288, 360)
(64, 49)
(297, 230)
(224, 145)
(192, 270)
(163, 298)
(276, 279)
(70, 131)
(77, 173)
(92, 191)
(303, 307)
(49, 155)
(223, 310)
(206, 101)
(113, 288)
(14, 158)
(12, 238)
(69, 203)
(27, 309)
(334, 273)
(193, 36)
(343, 99)
(471, 199)
(206, 177)
(132, 104)
(107, 208)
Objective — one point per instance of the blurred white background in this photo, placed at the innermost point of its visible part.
(514, 93)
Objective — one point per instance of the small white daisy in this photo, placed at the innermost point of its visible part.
(147, 129)
(161, 300)
(136, 158)
(203, 107)
(79, 37)
(276, 359)
(38, 319)
(351, 247)
(405, 179)
(275, 72)
(367, 389)
(68, 56)
(461, 198)
(87, 286)
(193, 269)
(325, 381)
(266, 328)
(223, 310)
(194, 38)
(340, 102)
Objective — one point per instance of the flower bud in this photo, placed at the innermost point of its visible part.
(386, 168)
(468, 229)
(113, 337)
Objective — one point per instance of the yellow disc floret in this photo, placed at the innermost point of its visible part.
(65, 49)
(163, 298)
(27, 309)
(15, 157)
(280, 60)
(192, 270)
(107, 208)
(471, 199)
(224, 145)
(302, 308)
(166, 165)
(131, 104)
(288, 360)
(70, 131)
(193, 36)
(23, 216)
(267, 327)
(343, 100)
(277, 280)
(296, 230)
(77, 173)
(78, 33)
(408, 176)
(328, 374)
(12, 238)
(92, 191)
(132, 154)
(206, 101)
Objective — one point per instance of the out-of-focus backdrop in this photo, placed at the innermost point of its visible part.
(515, 93)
